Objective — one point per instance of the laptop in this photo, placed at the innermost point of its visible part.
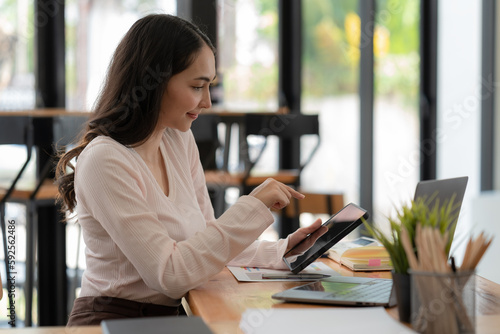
(442, 191)
(365, 291)
(342, 290)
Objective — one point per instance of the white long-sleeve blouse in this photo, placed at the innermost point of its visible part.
(143, 245)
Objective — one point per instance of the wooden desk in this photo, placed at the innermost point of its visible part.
(222, 300)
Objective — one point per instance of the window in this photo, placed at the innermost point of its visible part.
(247, 54)
(331, 42)
(17, 80)
(93, 30)
(459, 106)
(396, 105)
(330, 71)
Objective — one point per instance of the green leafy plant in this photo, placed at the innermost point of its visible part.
(442, 217)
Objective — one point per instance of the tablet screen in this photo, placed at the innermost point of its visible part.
(331, 232)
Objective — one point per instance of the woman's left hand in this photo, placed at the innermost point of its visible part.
(303, 232)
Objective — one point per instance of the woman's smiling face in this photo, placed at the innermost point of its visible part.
(187, 92)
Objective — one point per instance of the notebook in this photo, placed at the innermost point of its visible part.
(364, 258)
(365, 291)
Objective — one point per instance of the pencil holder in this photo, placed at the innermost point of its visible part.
(443, 303)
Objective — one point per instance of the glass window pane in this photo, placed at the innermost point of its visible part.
(93, 30)
(248, 54)
(330, 71)
(396, 105)
(17, 79)
(459, 108)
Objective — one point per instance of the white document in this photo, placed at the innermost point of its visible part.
(321, 320)
(253, 274)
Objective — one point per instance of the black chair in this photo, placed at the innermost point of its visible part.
(205, 132)
(18, 131)
(286, 127)
(283, 126)
(31, 131)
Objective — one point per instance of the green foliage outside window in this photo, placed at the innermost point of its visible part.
(331, 32)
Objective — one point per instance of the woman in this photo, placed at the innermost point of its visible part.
(138, 187)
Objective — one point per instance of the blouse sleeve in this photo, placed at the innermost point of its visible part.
(112, 192)
(262, 253)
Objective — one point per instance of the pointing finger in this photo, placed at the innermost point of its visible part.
(294, 193)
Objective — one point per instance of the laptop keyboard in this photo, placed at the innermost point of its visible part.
(376, 293)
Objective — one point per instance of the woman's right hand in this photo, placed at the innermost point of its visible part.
(275, 194)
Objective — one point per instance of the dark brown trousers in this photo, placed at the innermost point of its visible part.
(90, 311)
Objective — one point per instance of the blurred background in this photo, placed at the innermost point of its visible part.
(331, 76)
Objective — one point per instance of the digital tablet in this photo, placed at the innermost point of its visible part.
(327, 235)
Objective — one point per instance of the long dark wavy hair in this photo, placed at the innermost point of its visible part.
(155, 48)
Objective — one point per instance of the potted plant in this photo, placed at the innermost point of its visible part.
(421, 211)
